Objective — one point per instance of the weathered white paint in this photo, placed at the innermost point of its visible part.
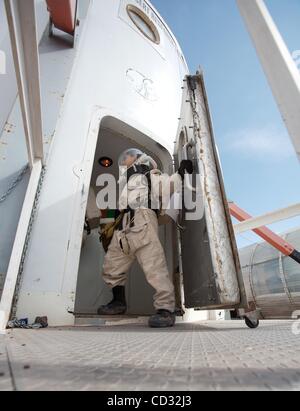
(24, 40)
(50, 275)
(277, 61)
(267, 219)
(13, 268)
(119, 79)
(8, 82)
(196, 126)
(217, 227)
(56, 60)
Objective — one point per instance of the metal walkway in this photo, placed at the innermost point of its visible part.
(206, 356)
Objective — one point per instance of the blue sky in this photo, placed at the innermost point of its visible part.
(260, 166)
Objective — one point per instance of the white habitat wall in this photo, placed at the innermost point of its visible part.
(114, 62)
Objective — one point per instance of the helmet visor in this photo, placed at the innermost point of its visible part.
(128, 155)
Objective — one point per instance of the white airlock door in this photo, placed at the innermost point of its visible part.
(211, 270)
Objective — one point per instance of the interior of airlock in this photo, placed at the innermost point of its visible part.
(114, 138)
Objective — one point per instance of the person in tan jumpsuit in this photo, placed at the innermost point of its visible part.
(138, 237)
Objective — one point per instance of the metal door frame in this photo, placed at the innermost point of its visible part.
(21, 18)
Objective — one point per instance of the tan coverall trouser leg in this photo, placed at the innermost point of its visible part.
(144, 244)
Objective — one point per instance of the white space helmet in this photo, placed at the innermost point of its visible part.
(131, 152)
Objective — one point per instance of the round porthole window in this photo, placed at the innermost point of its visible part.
(143, 23)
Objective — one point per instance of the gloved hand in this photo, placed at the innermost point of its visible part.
(185, 166)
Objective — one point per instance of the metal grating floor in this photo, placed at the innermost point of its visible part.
(203, 356)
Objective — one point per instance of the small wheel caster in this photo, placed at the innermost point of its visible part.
(252, 323)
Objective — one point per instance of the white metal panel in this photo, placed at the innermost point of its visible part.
(56, 62)
(214, 201)
(8, 82)
(24, 39)
(278, 64)
(51, 267)
(13, 268)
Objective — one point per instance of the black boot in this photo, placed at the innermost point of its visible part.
(162, 319)
(117, 306)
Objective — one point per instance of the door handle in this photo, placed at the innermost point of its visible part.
(187, 182)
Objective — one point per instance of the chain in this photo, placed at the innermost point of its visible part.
(14, 184)
(26, 244)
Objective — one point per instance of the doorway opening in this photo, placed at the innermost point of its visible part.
(114, 138)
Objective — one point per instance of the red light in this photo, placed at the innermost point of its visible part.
(105, 162)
